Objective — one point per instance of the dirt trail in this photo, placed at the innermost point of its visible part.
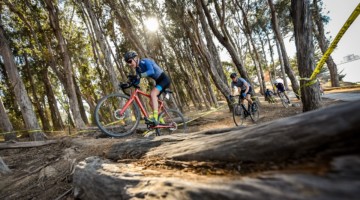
(46, 172)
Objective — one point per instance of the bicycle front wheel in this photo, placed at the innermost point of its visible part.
(283, 99)
(109, 120)
(238, 115)
(171, 121)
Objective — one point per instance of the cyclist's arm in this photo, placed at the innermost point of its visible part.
(247, 87)
(149, 69)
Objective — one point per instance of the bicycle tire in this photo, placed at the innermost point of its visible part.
(173, 117)
(254, 115)
(238, 115)
(111, 124)
(283, 99)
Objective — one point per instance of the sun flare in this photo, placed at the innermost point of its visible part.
(152, 24)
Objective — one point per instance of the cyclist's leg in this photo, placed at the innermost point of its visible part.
(248, 97)
(286, 96)
(154, 101)
(161, 84)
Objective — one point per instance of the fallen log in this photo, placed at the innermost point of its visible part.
(325, 134)
(332, 130)
(100, 179)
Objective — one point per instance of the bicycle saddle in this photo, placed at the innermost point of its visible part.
(167, 90)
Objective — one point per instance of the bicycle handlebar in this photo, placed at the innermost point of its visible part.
(130, 83)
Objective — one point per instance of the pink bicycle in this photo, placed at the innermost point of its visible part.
(118, 115)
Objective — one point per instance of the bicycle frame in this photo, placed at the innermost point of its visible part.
(135, 97)
(245, 109)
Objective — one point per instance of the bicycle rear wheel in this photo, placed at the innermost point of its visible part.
(109, 121)
(238, 115)
(174, 121)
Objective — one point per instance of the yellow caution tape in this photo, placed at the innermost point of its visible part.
(204, 114)
(29, 131)
(332, 46)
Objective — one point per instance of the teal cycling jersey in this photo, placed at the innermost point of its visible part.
(149, 67)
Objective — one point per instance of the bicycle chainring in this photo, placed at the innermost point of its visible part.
(174, 126)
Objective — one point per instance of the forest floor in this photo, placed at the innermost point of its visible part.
(45, 172)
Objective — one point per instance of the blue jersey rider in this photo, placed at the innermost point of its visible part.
(146, 67)
(268, 93)
(243, 85)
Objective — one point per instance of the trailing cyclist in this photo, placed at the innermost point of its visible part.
(244, 87)
(281, 89)
(269, 96)
(147, 67)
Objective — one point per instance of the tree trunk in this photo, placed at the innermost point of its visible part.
(272, 76)
(288, 70)
(212, 57)
(209, 91)
(100, 38)
(301, 15)
(126, 26)
(81, 105)
(282, 66)
(202, 95)
(224, 39)
(17, 85)
(54, 110)
(74, 104)
(256, 57)
(37, 103)
(324, 44)
(5, 124)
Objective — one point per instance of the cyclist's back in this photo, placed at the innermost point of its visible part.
(268, 93)
(280, 87)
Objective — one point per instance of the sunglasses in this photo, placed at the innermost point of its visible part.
(129, 61)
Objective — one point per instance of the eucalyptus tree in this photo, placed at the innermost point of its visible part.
(249, 35)
(209, 51)
(285, 58)
(29, 75)
(28, 51)
(53, 13)
(6, 126)
(223, 35)
(301, 15)
(16, 84)
(87, 7)
(319, 21)
(46, 55)
(127, 24)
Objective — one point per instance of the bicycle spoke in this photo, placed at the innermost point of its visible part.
(109, 120)
(171, 121)
(238, 115)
